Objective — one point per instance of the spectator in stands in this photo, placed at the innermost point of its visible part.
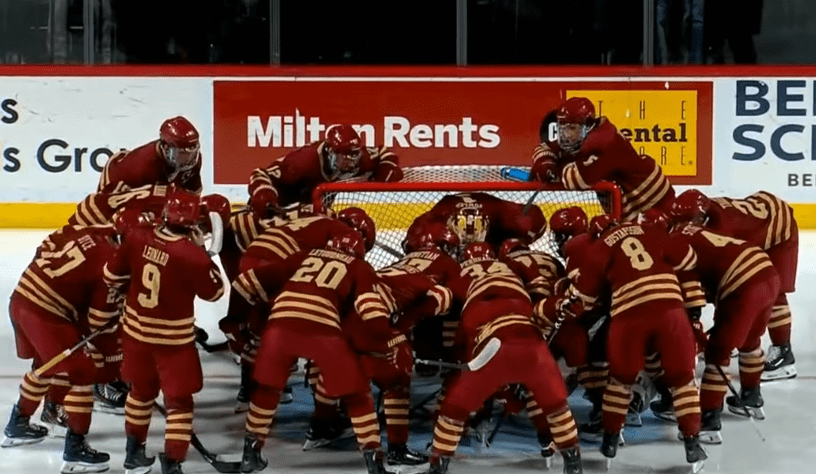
(678, 19)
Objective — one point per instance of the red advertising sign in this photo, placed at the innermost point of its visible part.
(443, 121)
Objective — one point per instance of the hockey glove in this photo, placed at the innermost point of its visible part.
(400, 354)
(545, 170)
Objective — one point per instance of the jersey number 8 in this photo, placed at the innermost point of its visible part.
(638, 256)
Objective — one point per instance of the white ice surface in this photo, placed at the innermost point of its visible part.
(790, 427)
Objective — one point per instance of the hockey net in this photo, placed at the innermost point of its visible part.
(394, 206)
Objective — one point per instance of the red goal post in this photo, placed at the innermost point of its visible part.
(394, 206)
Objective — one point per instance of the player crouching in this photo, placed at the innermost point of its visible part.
(497, 305)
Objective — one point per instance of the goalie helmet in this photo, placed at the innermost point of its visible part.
(343, 148)
(182, 209)
(358, 220)
(478, 250)
(470, 225)
(691, 206)
(179, 143)
(654, 218)
(435, 235)
(511, 245)
(576, 117)
(601, 223)
(350, 244)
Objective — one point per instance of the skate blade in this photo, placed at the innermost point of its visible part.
(241, 407)
(139, 470)
(607, 464)
(665, 416)
(706, 437)
(12, 442)
(69, 467)
(109, 410)
(697, 466)
(548, 462)
(783, 373)
(286, 398)
(756, 413)
(633, 419)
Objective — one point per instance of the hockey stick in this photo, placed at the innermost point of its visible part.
(201, 338)
(485, 356)
(209, 456)
(739, 400)
(67, 352)
(529, 203)
(389, 249)
(217, 239)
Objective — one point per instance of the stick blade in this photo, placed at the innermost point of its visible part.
(490, 350)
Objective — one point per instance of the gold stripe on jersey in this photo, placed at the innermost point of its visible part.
(313, 308)
(645, 196)
(113, 280)
(539, 286)
(541, 151)
(444, 299)
(369, 306)
(689, 261)
(572, 178)
(42, 303)
(662, 286)
(782, 219)
(98, 318)
(158, 331)
(387, 297)
(750, 262)
(245, 229)
(277, 242)
(487, 330)
(693, 294)
(36, 283)
(92, 210)
(248, 285)
(489, 281)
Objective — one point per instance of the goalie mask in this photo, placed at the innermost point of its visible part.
(470, 225)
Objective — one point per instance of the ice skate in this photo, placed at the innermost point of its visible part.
(244, 390)
(609, 447)
(136, 461)
(695, 454)
(710, 427)
(401, 455)
(547, 449)
(374, 462)
(439, 467)
(252, 460)
(286, 396)
(751, 399)
(55, 419)
(19, 431)
(79, 457)
(663, 408)
(322, 433)
(572, 460)
(779, 365)
(633, 413)
(110, 397)
(169, 466)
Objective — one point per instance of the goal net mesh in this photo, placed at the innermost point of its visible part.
(394, 206)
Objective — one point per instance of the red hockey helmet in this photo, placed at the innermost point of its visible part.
(182, 209)
(434, 235)
(569, 222)
(358, 220)
(343, 149)
(127, 219)
(511, 245)
(179, 143)
(470, 225)
(599, 224)
(350, 243)
(478, 250)
(654, 218)
(576, 116)
(691, 206)
(218, 204)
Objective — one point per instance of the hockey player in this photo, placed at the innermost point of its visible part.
(767, 222)
(482, 217)
(306, 322)
(646, 313)
(174, 158)
(59, 299)
(304, 231)
(497, 305)
(744, 285)
(161, 271)
(293, 177)
(591, 150)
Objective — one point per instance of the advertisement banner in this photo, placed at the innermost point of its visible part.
(453, 122)
(57, 133)
(766, 137)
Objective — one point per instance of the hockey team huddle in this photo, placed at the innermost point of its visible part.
(105, 308)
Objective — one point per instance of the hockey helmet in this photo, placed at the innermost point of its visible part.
(360, 221)
(179, 143)
(470, 225)
(654, 218)
(601, 223)
(576, 116)
(511, 245)
(350, 244)
(691, 206)
(478, 250)
(182, 209)
(343, 148)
